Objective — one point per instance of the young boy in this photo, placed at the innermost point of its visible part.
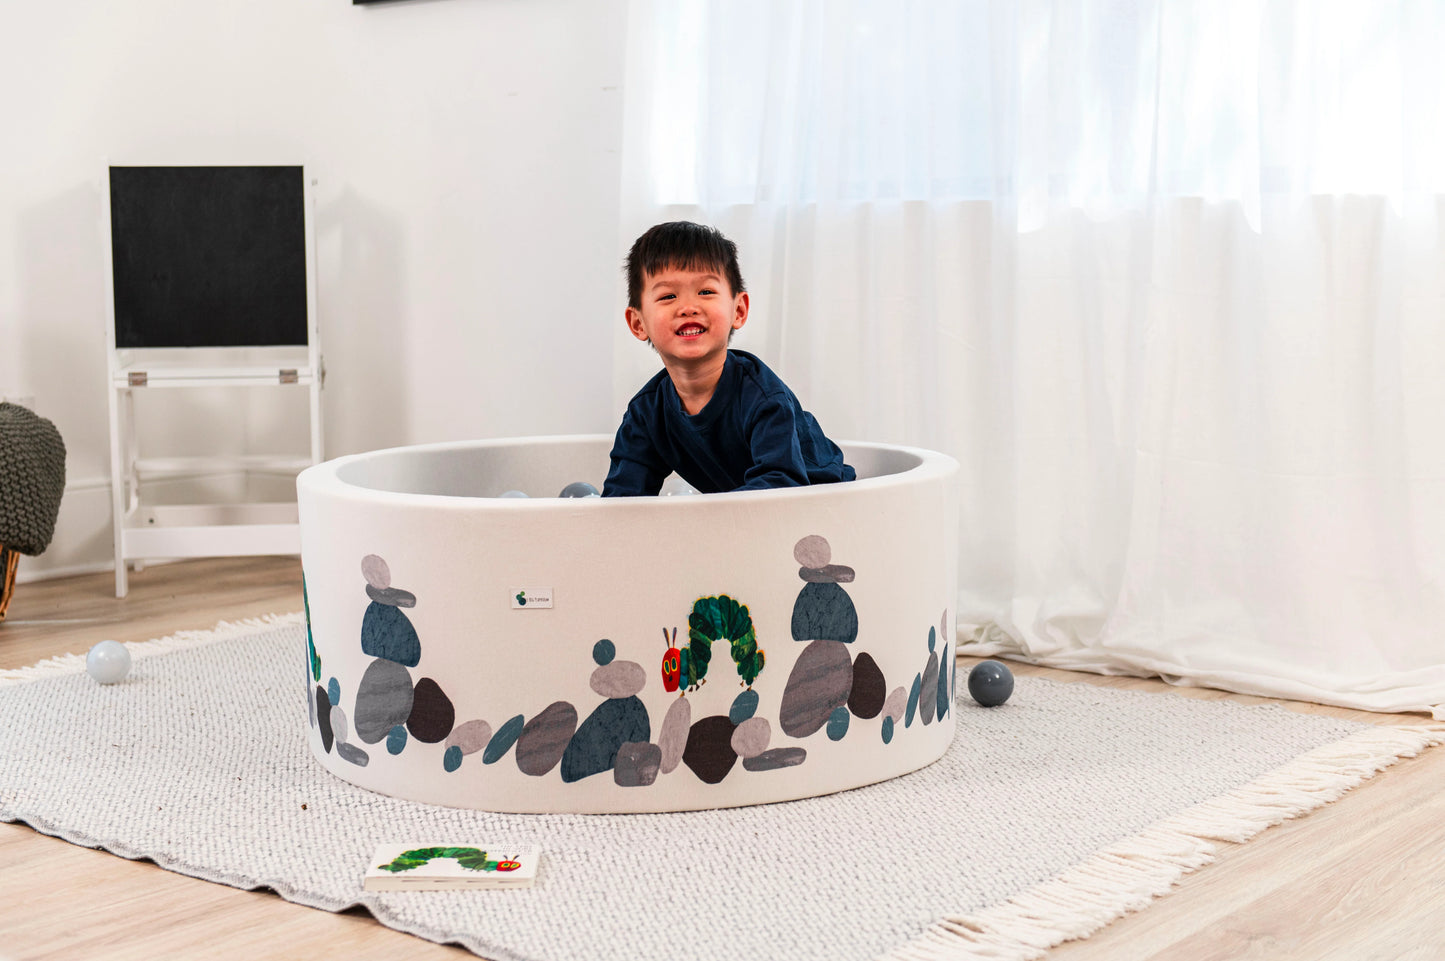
(718, 417)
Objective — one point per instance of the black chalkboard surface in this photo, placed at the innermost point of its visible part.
(208, 256)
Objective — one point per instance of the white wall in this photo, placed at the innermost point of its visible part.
(466, 156)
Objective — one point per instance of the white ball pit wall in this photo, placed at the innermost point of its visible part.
(623, 654)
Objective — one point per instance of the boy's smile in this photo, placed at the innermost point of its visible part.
(688, 316)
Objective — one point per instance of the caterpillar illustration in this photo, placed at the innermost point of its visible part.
(473, 859)
(712, 619)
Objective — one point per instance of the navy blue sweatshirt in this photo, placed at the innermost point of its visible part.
(752, 434)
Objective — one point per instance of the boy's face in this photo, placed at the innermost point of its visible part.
(688, 315)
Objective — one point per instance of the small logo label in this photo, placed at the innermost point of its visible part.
(532, 599)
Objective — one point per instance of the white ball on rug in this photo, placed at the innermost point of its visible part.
(108, 662)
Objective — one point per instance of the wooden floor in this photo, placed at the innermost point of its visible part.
(1361, 879)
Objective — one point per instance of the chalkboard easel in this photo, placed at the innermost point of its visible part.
(212, 278)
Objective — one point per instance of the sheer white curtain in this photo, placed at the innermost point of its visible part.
(1168, 278)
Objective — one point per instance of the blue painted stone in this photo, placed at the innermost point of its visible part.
(932, 639)
(928, 689)
(396, 739)
(745, 705)
(386, 632)
(990, 683)
(887, 730)
(824, 612)
(913, 694)
(838, 724)
(383, 700)
(604, 651)
(452, 759)
(333, 691)
(323, 717)
(593, 749)
(503, 740)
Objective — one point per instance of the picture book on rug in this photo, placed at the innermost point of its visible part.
(416, 867)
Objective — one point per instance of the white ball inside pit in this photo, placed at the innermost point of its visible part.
(108, 662)
(514, 493)
(675, 486)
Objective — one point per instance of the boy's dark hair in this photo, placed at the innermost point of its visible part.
(681, 245)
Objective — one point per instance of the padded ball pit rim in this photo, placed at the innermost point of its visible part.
(337, 476)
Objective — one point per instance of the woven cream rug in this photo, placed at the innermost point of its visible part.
(1051, 816)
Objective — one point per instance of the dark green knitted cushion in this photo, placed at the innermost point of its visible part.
(32, 478)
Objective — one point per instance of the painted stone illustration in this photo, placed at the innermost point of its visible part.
(621, 719)
(709, 753)
(637, 764)
(824, 618)
(932, 692)
(828, 689)
(389, 706)
(545, 737)
(673, 738)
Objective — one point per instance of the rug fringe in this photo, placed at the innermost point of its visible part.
(1129, 875)
(73, 663)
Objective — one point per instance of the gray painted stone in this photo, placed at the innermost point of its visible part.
(338, 723)
(673, 739)
(394, 596)
(471, 737)
(832, 574)
(813, 551)
(778, 757)
(893, 707)
(751, 737)
(820, 681)
(637, 764)
(383, 700)
(545, 737)
(377, 574)
(618, 679)
(928, 693)
(352, 753)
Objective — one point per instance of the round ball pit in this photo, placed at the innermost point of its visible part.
(601, 655)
